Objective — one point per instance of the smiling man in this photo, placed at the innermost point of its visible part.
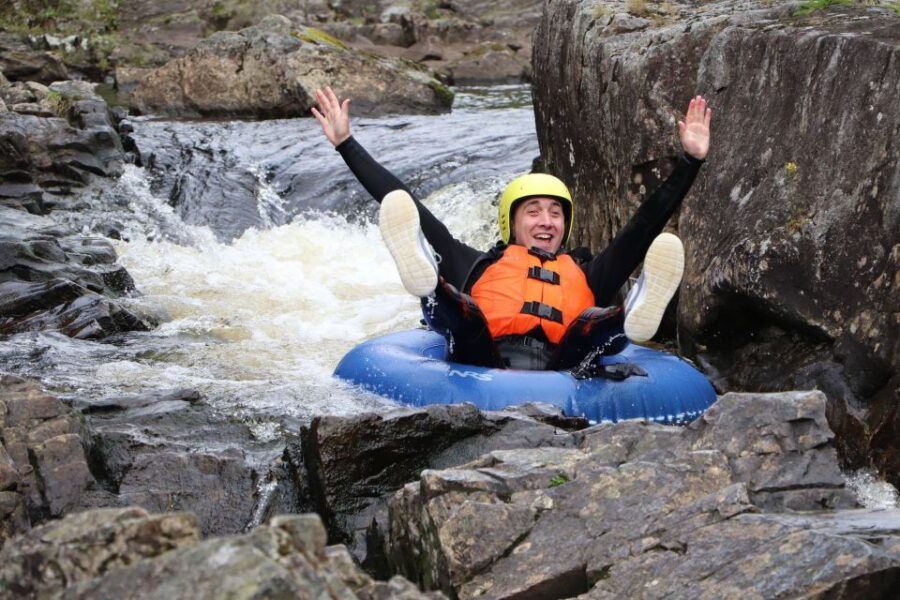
(527, 303)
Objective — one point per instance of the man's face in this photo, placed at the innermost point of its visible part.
(539, 222)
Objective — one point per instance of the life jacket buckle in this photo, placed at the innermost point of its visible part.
(543, 311)
(542, 274)
(541, 253)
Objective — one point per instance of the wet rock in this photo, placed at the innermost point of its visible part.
(55, 284)
(636, 504)
(171, 451)
(128, 553)
(354, 464)
(272, 70)
(798, 289)
(86, 317)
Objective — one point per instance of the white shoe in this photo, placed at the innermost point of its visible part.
(660, 277)
(398, 220)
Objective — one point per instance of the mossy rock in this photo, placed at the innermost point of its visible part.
(317, 36)
(444, 93)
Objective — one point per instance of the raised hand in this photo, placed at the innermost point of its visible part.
(333, 116)
(694, 130)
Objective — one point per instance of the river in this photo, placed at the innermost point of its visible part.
(258, 253)
(270, 267)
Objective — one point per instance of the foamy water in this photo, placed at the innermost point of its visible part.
(258, 324)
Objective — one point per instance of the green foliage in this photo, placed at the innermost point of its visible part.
(810, 6)
(791, 169)
(894, 6)
(84, 17)
(558, 480)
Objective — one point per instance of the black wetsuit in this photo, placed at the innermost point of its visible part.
(462, 265)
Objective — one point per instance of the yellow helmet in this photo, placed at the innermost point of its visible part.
(530, 186)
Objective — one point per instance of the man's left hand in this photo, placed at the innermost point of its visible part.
(694, 130)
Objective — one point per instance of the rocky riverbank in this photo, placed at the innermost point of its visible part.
(746, 500)
(121, 43)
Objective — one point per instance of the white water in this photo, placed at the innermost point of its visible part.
(259, 324)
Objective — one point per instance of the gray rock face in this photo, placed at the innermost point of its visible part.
(172, 451)
(796, 288)
(127, 553)
(43, 468)
(638, 510)
(354, 464)
(87, 545)
(272, 70)
(50, 280)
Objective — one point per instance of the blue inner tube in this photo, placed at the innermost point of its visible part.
(412, 367)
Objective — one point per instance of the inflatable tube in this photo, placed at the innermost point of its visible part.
(411, 367)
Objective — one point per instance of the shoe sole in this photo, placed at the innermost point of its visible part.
(663, 268)
(398, 221)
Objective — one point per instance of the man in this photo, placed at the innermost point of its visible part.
(526, 303)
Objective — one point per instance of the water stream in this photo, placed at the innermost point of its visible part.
(270, 266)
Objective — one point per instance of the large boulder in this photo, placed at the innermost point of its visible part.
(128, 553)
(643, 510)
(791, 230)
(353, 465)
(271, 70)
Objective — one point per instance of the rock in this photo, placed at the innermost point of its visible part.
(798, 291)
(3, 108)
(43, 468)
(271, 71)
(637, 504)
(88, 545)
(127, 553)
(792, 464)
(19, 62)
(55, 285)
(54, 155)
(490, 63)
(171, 451)
(31, 108)
(354, 464)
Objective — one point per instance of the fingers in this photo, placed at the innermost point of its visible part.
(345, 107)
(333, 99)
(319, 117)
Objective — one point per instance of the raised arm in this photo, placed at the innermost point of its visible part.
(609, 270)
(334, 117)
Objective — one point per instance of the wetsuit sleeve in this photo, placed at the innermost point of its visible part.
(456, 257)
(609, 270)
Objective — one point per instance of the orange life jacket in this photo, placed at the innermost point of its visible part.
(521, 291)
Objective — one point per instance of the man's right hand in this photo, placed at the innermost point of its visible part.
(333, 116)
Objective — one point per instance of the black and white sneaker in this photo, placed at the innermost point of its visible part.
(659, 280)
(398, 220)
